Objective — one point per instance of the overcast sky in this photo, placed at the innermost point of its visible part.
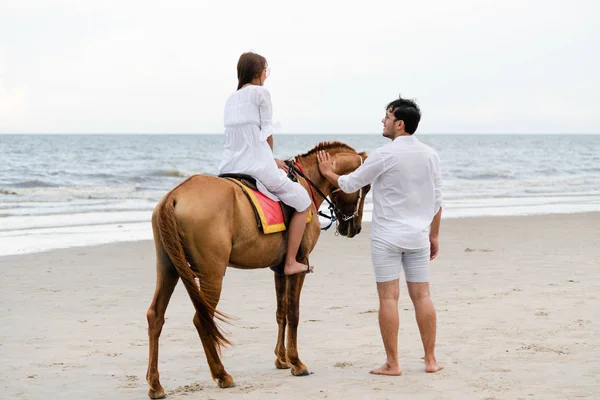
(474, 66)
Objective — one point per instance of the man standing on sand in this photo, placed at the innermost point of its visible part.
(407, 209)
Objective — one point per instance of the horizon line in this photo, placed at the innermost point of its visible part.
(288, 133)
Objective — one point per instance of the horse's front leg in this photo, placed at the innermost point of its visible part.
(294, 287)
(280, 291)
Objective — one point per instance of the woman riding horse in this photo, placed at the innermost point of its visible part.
(206, 224)
(249, 149)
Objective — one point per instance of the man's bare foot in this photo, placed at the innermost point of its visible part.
(432, 367)
(387, 369)
(296, 268)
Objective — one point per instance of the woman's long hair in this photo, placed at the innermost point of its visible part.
(250, 65)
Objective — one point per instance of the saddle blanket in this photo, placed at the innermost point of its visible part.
(270, 212)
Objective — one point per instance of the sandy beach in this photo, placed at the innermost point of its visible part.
(517, 301)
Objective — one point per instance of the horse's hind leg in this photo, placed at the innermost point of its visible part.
(211, 282)
(280, 290)
(166, 280)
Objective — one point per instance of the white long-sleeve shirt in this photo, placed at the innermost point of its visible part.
(406, 182)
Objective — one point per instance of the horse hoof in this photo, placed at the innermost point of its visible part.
(226, 382)
(304, 372)
(158, 394)
(280, 365)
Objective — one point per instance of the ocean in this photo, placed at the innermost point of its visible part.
(73, 190)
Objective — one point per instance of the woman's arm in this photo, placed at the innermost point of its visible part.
(265, 111)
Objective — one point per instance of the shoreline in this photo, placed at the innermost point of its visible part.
(142, 231)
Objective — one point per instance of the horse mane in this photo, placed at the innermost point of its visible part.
(327, 146)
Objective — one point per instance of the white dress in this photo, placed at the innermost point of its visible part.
(248, 124)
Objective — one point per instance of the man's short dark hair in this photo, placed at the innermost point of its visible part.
(407, 111)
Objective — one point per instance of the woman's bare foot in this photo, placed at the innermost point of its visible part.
(387, 369)
(295, 267)
(433, 366)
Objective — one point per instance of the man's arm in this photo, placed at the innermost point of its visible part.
(362, 176)
(434, 232)
(434, 235)
(435, 225)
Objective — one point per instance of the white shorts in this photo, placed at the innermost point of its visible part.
(388, 260)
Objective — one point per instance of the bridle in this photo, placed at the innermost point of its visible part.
(333, 208)
(360, 196)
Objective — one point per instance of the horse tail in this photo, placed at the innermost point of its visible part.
(172, 239)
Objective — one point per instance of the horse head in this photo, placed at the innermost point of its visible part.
(349, 210)
(348, 207)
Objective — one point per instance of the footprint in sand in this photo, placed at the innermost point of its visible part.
(499, 370)
(131, 381)
(468, 250)
(342, 364)
(196, 387)
(371, 311)
(537, 348)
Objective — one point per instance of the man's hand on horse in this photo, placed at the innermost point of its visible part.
(282, 165)
(326, 165)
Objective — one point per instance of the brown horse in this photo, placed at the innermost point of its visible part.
(206, 223)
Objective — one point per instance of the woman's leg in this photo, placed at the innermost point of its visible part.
(295, 233)
(295, 196)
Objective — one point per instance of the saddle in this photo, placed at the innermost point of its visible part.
(271, 216)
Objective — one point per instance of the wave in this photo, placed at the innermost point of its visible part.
(33, 183)
(67, 209)
(493, 175)
(591, 169)
(21, 223)
(70, 193)
(100, 175)
(176, 173)
(573, 183)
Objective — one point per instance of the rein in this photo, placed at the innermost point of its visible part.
(333, 208)
(296, 167)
